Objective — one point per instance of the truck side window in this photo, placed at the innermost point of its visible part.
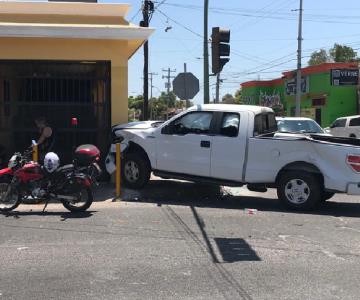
(194, 122)
(230, 124)
(354, 122)
(264, 123)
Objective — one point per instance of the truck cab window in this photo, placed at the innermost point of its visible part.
(192, 123)
(264, 123)
(230, 124)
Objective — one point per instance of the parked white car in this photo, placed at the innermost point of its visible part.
(346, 126)
(299, 125)
(234, 145)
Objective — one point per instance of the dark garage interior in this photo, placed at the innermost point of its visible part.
(59, 91)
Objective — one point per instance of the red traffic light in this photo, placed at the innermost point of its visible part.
(74, 121)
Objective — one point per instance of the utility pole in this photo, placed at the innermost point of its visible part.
(147, 10)
(298, 73)
(168, 77)
(206, 53)
(168, 84)
(151, 74)
(217, 87)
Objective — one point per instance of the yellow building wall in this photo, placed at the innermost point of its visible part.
(79, 50)
(61, 19)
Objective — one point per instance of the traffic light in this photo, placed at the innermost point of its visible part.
(220, 47)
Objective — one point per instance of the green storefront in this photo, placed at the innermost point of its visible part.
(329, 91)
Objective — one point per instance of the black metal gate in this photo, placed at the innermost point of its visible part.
(58, 91)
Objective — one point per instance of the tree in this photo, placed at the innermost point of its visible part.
(238, 99)
(168, 99)
(135, 105)
(158, 107)
(136, 102)
(318, 57)
(228, 99)
(343, 53)
(338, 53)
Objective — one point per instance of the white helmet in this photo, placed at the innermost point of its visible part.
(51, 162)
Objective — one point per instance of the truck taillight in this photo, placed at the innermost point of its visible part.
(354, 162)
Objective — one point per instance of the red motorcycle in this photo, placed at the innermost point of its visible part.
(23, 180)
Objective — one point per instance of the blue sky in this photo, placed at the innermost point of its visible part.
(263, 37)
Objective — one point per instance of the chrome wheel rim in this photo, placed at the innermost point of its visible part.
(297, 191)
(132, 172)
(7, 197)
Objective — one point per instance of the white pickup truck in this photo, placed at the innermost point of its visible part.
(236, 145)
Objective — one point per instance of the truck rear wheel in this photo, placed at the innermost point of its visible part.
(135, 171)
(299, 190)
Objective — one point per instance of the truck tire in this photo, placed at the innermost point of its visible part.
(299, 190)
(135, 171)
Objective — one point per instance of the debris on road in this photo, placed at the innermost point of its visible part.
(22, 248)
(250, 211)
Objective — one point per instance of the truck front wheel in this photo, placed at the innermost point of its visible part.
(299, 190)
(135, 171)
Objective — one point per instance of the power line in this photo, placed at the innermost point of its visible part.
(135, 15)
(180, 40)
(178, 23)
(161, 3)
(255, 13)
(248, 57)
(273, 61)
(260, 18)
(276, 15)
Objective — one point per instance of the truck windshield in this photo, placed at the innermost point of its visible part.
(264, 123)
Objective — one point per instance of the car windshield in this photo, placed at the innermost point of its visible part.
(305, 126)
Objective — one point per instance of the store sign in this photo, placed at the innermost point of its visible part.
(290, 86)
(344, 77)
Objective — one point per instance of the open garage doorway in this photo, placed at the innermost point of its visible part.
(58, 91)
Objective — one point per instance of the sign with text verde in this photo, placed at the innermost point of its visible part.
(344, 77)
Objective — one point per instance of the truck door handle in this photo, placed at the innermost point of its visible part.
(205, 144)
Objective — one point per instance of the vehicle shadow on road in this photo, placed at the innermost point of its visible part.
(172, 192)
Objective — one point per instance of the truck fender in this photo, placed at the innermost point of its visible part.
(300, 166)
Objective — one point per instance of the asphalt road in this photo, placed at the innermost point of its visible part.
(178, 240)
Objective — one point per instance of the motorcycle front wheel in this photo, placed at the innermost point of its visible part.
(82, 200)
(9, 197)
